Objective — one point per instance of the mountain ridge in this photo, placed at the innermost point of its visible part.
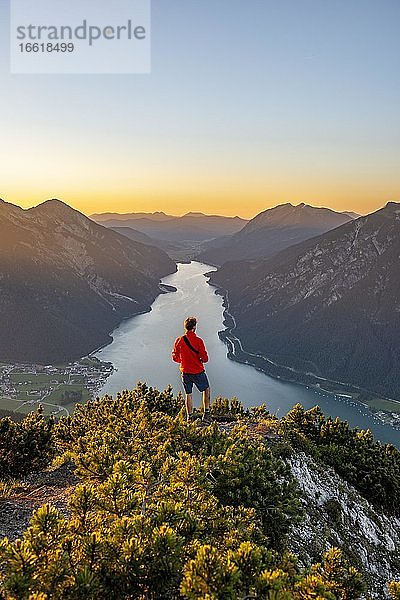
(329, 305)
(273, 230)
(194, 227)
(67, 282)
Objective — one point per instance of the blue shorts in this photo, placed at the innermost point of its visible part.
(200, 380)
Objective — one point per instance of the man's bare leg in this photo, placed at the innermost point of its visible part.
(206, 400)
(189, 404)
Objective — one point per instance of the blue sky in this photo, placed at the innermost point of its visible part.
(249, 104)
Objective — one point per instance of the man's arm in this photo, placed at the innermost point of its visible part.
(202, 351)
(176, 353)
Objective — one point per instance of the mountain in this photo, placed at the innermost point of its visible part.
(156, 216)
(134, 234)
(66, 282)
(193, 227)
(330, 305)
(273, 230)
(138, 236)
(177, 251)
(351, 214)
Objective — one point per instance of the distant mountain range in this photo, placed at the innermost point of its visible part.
(143, 238)
(194, 227)
(329, 305)
(109, 216)
(273, 230)
(66, 282)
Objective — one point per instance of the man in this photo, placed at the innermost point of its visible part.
(190, 352)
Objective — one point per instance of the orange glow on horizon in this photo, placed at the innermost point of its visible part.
(173, 204)
(218, 179)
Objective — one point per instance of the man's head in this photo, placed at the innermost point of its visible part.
(190, 324)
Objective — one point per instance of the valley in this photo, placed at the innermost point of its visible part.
(268, 319)
(25, 387)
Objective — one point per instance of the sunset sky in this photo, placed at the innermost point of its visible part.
(249, 104)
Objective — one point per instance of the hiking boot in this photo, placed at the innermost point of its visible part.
(207, 417)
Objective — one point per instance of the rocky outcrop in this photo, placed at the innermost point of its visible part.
(336, 515)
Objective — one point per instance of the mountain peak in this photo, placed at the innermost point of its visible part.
(343, 301)
(56, 207)
(393, 205)
(294, 215)
(4, 202)
(53, 203)
(273, 230)
(8, 207)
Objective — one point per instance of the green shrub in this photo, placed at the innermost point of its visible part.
(225, 407)
(166, 509)
(25, 446)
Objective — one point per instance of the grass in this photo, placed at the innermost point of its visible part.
(9, 404)
(41, 383)
(386, 405)
(25, 404)
(54, 410)
(27, 382)
(29, 387)
(48, 409)
(24, 408)
(56, 395)
(24, 397)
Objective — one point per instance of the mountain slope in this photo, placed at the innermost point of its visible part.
(138, 236)
(191, 227)
(66, 282)
(330, 305)
(272, 231)
(337, 515)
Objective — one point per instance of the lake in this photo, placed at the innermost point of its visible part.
(141, 351)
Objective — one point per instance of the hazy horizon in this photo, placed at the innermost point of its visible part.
(170, 214)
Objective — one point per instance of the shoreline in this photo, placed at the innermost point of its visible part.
(99, 348)
(262, 363)
(164, 289)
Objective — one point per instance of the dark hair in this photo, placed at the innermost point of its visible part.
(190, 323)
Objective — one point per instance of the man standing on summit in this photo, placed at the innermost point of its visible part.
(189, 350)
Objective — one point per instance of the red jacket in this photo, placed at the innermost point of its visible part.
(189, 360)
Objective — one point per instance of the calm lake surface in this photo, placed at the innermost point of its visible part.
(141, 351)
